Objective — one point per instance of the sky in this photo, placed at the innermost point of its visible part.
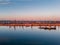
(29, 9)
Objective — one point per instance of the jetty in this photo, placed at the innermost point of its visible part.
(29, 23)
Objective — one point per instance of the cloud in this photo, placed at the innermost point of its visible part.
(4, 2)
(24, 0)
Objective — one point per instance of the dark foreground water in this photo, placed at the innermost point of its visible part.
(29, 36)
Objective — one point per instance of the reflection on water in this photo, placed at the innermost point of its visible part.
(39, 27)
(48, 27)
(29, 35)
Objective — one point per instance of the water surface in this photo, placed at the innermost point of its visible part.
(29, 36)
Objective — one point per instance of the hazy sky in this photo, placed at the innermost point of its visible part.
(30, 9)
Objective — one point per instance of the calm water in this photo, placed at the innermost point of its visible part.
(29, 36)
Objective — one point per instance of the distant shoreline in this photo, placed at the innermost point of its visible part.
(29, 23)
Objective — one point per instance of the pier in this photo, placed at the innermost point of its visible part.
(29, 23)
(42, 24)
